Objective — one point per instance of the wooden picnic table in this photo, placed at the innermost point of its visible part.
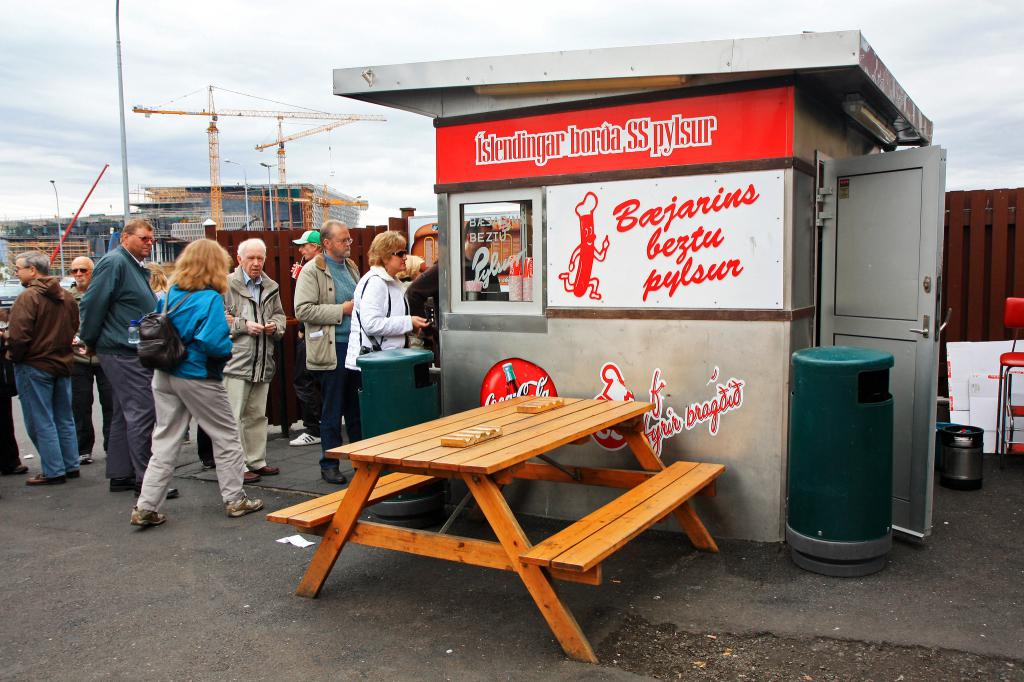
(415, 457)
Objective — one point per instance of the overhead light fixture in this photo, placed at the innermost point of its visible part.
(857, 109)
(583, 85)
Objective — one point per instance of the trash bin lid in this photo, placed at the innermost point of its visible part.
(395, 356)
(843, 359)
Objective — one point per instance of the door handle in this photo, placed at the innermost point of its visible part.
(949, 313)
(924, 330)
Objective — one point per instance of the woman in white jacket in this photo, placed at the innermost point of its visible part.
(380, 314)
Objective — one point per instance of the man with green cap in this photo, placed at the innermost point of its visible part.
(307, 388)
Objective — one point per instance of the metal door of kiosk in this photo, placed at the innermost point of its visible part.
(881, 262)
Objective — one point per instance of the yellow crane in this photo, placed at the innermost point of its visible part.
(282, 138)
(214, 141)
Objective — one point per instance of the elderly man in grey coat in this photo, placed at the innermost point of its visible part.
(256, 319)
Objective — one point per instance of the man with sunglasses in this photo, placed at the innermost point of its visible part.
(85, 372)
(323, 302)
(119, 294)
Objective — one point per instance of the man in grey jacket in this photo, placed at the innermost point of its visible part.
(256, 319)
(323, 301)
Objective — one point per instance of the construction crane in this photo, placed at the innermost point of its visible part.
(213, 134)
(282, 138)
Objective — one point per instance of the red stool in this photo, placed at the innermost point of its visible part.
(1009, 364)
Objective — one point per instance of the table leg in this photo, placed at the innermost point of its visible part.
(339, 529)
(561, 621)
(684, 514)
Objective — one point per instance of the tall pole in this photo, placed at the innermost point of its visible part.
(60, 241)
(120, 100)
(270, 190)
(245, 179)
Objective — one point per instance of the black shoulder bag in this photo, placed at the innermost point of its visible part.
(160, 346)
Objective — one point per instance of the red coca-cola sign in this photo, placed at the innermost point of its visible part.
(514, 377)
(737, 126)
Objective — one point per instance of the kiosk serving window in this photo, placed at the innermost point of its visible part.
(495, 239)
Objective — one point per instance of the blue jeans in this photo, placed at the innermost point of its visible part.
(46, 405)
(340, 390)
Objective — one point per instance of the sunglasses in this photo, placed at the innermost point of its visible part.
(79, 271)
(401, 254)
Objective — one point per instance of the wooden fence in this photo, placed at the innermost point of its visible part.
(282, 405)
(982, 265)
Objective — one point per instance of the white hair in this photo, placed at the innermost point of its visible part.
(255, 241)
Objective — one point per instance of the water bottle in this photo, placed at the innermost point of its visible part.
(133, 332)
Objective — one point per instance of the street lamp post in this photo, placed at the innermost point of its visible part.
(120, 100)
(60, 242)
(270, 190)
(246, 180)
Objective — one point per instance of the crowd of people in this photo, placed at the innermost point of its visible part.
(59, 349)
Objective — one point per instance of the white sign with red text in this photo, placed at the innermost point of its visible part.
(707, 241)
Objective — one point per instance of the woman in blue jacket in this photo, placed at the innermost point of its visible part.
(195, 306)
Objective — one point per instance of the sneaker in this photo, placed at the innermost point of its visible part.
(242, 506)
(144, 517)
(305, 439)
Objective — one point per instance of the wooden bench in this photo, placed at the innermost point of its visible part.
(586, 543)
(312, 516)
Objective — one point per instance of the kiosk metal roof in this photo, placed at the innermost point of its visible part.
(840, 65)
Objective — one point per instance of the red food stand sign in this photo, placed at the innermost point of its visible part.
(515, 377)
(737, 126)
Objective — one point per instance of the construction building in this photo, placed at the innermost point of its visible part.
(89, 236)
(178, 215)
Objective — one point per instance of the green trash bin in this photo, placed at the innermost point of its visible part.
(839, 520)
(398, 391)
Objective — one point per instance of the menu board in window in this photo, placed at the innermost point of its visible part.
(497, 251)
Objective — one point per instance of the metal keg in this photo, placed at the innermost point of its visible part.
(961, 457)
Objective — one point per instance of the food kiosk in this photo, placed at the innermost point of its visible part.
(670, 223)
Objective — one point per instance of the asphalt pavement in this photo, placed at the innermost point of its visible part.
(87, 596)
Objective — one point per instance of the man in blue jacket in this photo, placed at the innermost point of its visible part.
(118, 294)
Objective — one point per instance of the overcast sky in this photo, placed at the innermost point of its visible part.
(960, 62)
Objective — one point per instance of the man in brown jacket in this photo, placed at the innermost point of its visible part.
(44, 320)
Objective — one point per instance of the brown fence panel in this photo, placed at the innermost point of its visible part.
(982, 265)
(282, 406)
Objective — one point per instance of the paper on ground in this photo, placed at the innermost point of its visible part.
(296, 540)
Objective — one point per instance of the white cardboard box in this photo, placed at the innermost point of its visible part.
(983, 413)
(959, 395)
(983, 385)
(958, 361)
(966, 358)
(987, 386)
